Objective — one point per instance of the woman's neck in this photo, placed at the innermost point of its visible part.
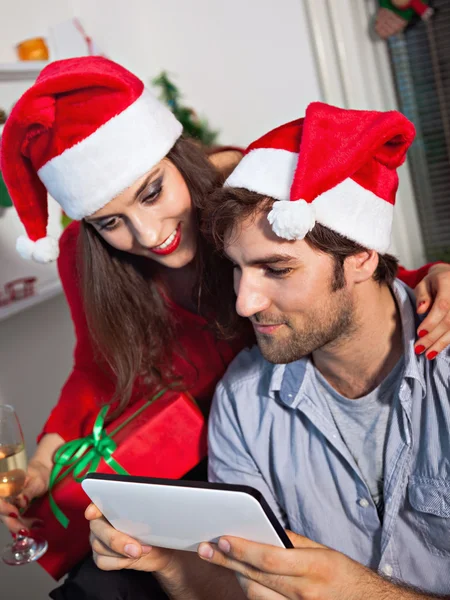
(179, 285)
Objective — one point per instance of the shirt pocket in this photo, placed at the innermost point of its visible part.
(430, 499)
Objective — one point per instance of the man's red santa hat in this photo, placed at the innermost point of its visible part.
(335, 167)
(84, 132)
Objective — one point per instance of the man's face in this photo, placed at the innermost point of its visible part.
(286, 289)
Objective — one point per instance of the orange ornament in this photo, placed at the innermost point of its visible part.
(33, 49)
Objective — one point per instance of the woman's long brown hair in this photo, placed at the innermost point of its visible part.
(128, 319)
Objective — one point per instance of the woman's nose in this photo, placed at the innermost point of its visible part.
(146, 234)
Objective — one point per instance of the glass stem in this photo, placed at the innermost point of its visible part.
(22, 544)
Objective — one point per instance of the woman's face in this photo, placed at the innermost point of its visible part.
(153, 218)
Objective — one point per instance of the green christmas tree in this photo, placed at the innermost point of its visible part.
(193, 127)
(5, 200)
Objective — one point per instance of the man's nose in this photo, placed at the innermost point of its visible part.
(251, 298)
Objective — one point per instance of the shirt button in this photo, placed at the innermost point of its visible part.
(290, 395)
(387, 570)
(363, 502)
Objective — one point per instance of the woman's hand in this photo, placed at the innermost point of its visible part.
(36, 485)
(433, 296)
(225, 160)
(113, 550)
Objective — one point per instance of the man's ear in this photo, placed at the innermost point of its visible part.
(361, 267)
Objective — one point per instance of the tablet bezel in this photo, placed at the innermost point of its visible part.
(246, 489)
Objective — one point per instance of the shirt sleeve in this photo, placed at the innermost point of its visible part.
(88, 385)
(413, 278)
(229, 459)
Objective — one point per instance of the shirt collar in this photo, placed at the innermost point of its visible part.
(291, 380)
(410, 321)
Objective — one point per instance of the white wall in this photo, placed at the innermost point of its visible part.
(245, 65)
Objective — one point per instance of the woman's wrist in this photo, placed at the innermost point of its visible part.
(42, 469)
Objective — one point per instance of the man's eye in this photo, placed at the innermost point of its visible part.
(277, 272)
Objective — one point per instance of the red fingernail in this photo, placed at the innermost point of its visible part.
(421, 303)
(24, 532)
(419, 349)
(432, 355)
(13, 535)
(13, 516)
(423, 333)
(25, 497)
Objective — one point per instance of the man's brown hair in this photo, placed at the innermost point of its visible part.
(227, 207)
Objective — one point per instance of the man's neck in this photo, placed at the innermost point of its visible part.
(357, 363)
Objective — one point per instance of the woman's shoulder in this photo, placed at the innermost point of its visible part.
(68, 245)
(68, 253)
(69, 236)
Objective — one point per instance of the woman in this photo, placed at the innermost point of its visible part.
(145, 290)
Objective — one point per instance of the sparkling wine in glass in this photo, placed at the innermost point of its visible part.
(13, 469)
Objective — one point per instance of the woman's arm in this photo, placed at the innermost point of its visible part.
(87, 387)
(225, 158)
(431, 285)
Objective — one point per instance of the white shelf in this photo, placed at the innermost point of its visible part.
(21, 70)
(45, 293)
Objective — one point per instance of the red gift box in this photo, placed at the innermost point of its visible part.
(166, 439)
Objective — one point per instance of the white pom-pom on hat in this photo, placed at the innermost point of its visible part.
(43, 251)
(292, 219)
(25, 247)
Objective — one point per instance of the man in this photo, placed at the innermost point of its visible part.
(334, 417)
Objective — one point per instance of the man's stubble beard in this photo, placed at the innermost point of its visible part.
(324, 327)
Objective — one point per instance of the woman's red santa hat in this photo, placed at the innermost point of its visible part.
(336, 167)
(84, 132)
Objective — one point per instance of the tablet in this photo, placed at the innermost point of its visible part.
(180, 514)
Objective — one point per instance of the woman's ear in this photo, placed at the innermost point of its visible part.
(361, 267)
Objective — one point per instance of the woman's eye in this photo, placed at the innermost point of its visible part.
(278, 272)
(152, 196)
(110, 225)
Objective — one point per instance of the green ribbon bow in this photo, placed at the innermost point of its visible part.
(83, 455)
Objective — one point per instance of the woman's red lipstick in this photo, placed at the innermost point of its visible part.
(171, 247)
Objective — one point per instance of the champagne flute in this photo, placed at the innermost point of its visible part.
(13, 469)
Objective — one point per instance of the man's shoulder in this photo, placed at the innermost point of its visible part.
(442, 368)
(248, 369)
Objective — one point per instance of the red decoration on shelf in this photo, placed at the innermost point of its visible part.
(18, 289)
